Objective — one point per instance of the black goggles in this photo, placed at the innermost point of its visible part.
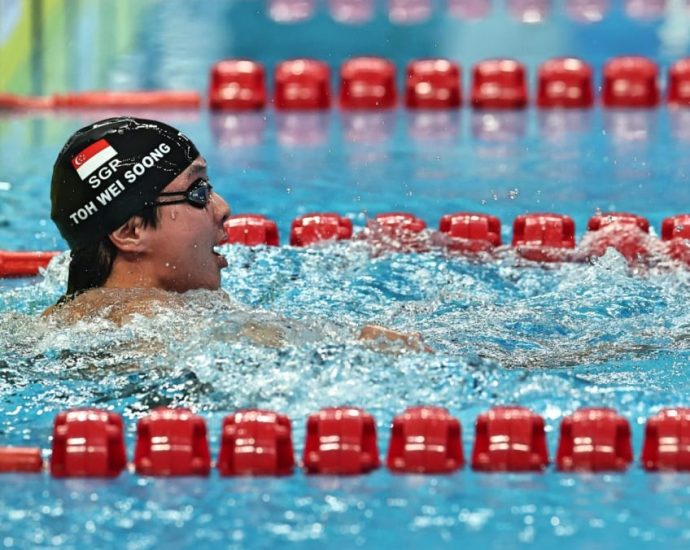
(197, 194)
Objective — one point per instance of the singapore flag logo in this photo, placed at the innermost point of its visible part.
(92, 158)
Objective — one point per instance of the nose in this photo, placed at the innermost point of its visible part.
(220, 207)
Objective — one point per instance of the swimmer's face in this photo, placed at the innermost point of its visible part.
(181, 247)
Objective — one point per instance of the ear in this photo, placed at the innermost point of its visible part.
(131, 237)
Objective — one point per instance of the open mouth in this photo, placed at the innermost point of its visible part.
(222, 262)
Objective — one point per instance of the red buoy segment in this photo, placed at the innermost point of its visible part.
(510, 439)
(630, 82)
(499, 84)
(23, 264)
(87, 443)
(425, 440)
(667, 441)
(594, 440)
(340, 441)
(314, 228)
(400, 221)
(251, 230)
(172, 442)
(367, 83)
(622, 231)
(543, 237)
(678, 86)
(20, 460)
(620, 219)
(433, 84)
(471, 232)
(565, 82)
(237, 85)
(19, 102)
(675, 231)
(302, 84)
(139, 99)
(256, 442)
(675, 227)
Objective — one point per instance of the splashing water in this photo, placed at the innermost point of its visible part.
(552, 339)
(567, 325)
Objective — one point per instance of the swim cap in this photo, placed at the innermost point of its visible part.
(107, 172)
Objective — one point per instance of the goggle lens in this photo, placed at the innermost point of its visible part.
(197, 194)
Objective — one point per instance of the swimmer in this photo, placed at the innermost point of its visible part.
(133, 200)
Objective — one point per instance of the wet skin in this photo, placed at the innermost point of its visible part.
(154, 266)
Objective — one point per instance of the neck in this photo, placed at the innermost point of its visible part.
(131, 273)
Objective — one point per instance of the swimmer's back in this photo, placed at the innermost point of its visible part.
(118, 305)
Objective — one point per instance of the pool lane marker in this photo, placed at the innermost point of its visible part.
(537, 237)
(342, 441)
(368, 83)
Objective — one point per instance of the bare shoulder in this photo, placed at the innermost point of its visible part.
(115, 304)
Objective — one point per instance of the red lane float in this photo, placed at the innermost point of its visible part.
(314, 228)
(395, 232)
(251, 230)
(675, 231)
(237, 85)
(622, 219)
(367, 83)
(529, 11)
(678, 86)
(667, 441)
(630, 82)
(509, 439)
(470, 10)
(172, 442)
(340, 441)
(18, 102)
(400, 222)
(471, 232)
(499, 84)
(425, 440)
(676, 227)
(167, 99)
(565, 82)
(88, 443)
(544, 237)
(20, 460)
(257, 443)
(302, 84)
(433, 84)
(594, 440)
(24, 264)
(625, 232)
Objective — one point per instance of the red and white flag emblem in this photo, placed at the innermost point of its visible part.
(92, 158)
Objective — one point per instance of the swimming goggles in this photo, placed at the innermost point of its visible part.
(197, 194)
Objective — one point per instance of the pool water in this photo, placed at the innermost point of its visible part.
(551, 338)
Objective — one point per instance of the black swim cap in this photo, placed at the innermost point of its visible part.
(107, 172)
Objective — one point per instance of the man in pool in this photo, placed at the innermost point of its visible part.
(132, 199)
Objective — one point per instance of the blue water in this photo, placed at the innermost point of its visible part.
(552, 339)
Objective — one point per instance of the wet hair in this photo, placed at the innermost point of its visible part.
(90, 265)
